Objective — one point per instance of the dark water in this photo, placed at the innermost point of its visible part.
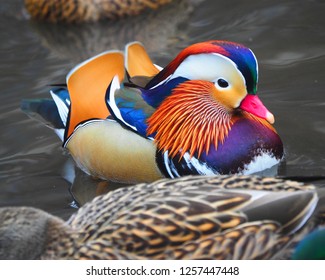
(287, 37)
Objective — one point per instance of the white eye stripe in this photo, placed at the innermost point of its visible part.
(208, 67)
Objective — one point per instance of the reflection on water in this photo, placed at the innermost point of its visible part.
(288, 39)
(157, 29)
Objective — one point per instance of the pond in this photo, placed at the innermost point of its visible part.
(288, 38)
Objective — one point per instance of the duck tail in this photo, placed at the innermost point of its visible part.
(51, 112)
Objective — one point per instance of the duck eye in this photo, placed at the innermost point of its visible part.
(222, 83)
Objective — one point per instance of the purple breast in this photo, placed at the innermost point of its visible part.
(246, 140)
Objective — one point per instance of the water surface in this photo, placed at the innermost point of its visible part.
(288, 39)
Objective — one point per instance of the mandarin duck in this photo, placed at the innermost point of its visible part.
(87, 10)
(192, 217)
(198, 115)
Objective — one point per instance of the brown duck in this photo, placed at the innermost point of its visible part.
(227, 217)
(88, 10)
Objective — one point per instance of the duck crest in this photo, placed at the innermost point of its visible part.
(189, 120)
(198, 48)
(243, 57)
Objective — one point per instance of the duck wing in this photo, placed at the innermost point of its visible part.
(128, 107)
(167, 218)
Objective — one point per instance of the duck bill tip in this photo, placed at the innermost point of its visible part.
(252, 104)
(270, 117)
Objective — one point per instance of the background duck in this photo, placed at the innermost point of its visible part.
(198, 115)
(224, 217)
(78, 42)
(87, 10)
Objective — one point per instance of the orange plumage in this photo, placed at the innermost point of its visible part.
(190, 119)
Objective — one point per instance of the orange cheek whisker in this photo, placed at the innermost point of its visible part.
(185, 140)
(186, 145)
(189, 120)
(201, 139)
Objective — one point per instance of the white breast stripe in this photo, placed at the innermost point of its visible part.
(201, 168)
(172, 171)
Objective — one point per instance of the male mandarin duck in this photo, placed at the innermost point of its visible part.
(88, 10)
(193, 217)
(198, 115)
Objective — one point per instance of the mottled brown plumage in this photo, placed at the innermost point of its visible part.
(231, 217)
(87, 10)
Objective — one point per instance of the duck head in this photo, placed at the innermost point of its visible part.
(230, 68)
(201, 94)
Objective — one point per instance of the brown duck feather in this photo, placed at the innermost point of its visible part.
(225, 217)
